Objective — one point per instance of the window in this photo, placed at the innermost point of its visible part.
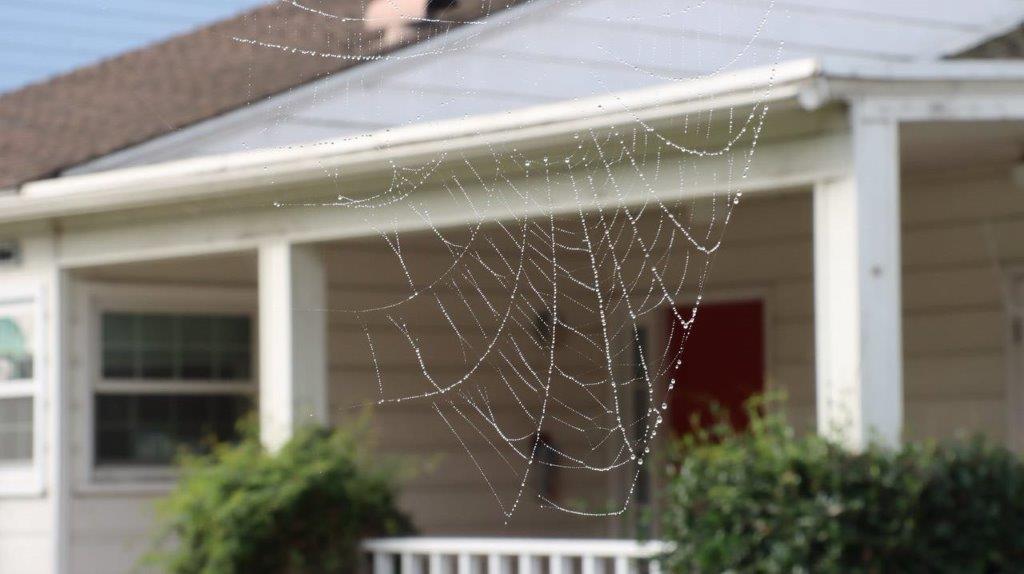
(17, 366)
(169, 381)
(20, 323)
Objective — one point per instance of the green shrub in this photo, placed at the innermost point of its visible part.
(304, 509)
(769, 501)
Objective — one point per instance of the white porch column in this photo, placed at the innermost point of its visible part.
(857, 302)
(58, 414)
(293, 340)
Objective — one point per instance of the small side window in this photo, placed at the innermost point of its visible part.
(19, 389)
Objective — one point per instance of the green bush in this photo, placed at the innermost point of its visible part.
(769, 501)
(303, 509)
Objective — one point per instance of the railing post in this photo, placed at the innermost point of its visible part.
(588, 564)
(556, 564)
(525, 564)
(382, 563)
(434, 564)
(409, 564)
(496, 564)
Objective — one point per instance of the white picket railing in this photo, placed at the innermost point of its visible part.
(424, 555)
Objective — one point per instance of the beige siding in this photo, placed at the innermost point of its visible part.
(955, 231)
(449, 494)
(954, 340)
(955, 367)
(110, 533)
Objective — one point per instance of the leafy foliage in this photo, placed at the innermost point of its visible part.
(303, 509)
(769, 501)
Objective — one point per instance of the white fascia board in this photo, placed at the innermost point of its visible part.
(813, 82)
(931, 71)
(215, 176)
(962, 90)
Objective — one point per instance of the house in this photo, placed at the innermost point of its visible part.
(175, 248)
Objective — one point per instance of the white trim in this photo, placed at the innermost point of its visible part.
(785, 164)
(517, 546)
(293, 330)
(224, 175)
(27, 479)
(59, 460)
(217, 176)
(858, 309)
(221, 175)
(173, 387)
(92, 300)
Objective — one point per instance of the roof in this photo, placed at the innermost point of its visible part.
(1008, 45)
(239, 173)
(570, 49)
(48, 127)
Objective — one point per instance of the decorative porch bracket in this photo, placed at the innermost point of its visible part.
(857, 300)
(292, 340)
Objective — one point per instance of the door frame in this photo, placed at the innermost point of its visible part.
(656, 324)
(1012, 285)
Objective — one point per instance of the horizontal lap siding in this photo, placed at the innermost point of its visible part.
(955, 375)
(958, 234)
(448, 494)
(955, 357)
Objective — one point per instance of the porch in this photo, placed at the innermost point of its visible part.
(880, 238)
(955, 338)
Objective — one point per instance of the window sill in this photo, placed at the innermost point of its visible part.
(138, 488)
(130, 480)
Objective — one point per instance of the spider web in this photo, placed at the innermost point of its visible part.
(519, 294)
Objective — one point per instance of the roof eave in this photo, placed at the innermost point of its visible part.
(811, 82)
(222, 175)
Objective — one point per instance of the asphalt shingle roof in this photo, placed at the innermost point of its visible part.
(93, 111)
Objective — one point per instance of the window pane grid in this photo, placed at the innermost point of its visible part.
(151, 429)
(16, 418)
(176, 347)
(16, 343)
(151, 355)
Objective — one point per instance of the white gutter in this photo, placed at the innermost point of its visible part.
(223, 175)
(940, 71)
(220, 175)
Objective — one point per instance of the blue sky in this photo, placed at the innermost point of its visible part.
(43, 38)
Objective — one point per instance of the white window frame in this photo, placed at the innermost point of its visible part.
(26, 479)
(97, 299)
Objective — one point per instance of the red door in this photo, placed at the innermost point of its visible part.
(722, 362)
